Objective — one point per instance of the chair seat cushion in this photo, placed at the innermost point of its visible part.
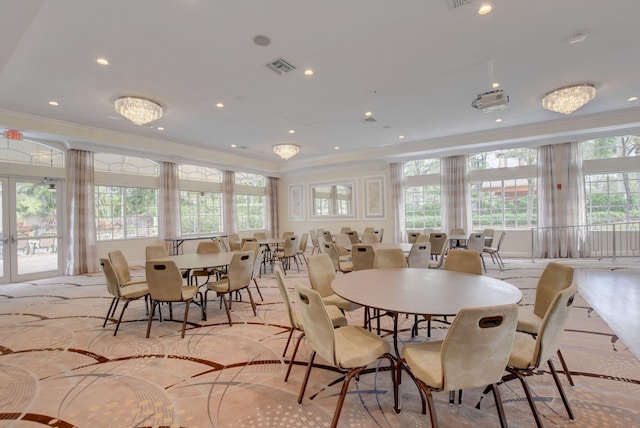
(134, 281)
(346, 266)
(189, 292)
(524, 346)
(134, 291)
(357, 347)
(335, 300)
(425, 362)
(220, 286)
(528, 322)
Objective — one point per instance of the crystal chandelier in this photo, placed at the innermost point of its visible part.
(138, 110)
(286, 151)
(569, 99)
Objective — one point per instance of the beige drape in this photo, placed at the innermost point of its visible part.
(169, 203)
(397, 200)
(455, 193)
(80, 214)
(272, 207)
(229, 202)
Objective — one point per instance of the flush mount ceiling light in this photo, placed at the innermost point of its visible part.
(569, 99)
(286, 151)
(138, 110)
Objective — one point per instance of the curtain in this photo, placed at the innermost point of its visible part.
(562, 215)
(169, 203)
(229, 203)
(272, 207)
(82, 254)
(397, 200)
(455, 193)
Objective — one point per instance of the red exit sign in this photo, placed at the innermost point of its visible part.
(13, 135)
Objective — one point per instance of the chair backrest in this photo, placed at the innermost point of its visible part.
(257, 261)
(419, 255)
(240, 270)
(387, 258)
(260, 235)
(458, 231)
(245, 240)
(368, 230)
(353, 237)
(362, 257)
(412, 237)
(342, 241)
(476, 242)
(291, 246)
(438, 240)
(379, 233)
(234, 242)
(441, 257)
(208, 247)
(318, 327)
(155, 252)
(369, 238)
(465, 261)
(223, 245)
(321, 273)
(113, 287)
(345, 230)
(502, 235)
(285, 235)
(164, 281)
(120, 265)
(251, 246)
(303, 242)
(555, 278)
(423, 237)
(477, 346)
(548, 339)
(329, 248)
(488, 237)
(327, 235)
(285, 297)
(314, 237)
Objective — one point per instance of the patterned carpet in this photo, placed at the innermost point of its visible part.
(60, 368)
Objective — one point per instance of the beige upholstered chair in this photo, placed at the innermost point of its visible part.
(379, 233)
(350, 349)
(419, 255)
(328, 237)
(488, 237)
(155, 252)
(369, 238)
(368, 230)
(555, 278)
(251, 246)
(362, 257)
(321, 273)
(337, 318)
(341, 263)
(494, 252)
(474, 353)
(529, 352)
(165, 286)
(223, 245)
(387, 258)
(344, 230)
(205, 247)
(260, 235)
(244, 241)
(285, 235)
(438, 239)
(466, 261)
(353, 237)
(458, 243)
(476, 243)
(234, 242)
(121, 267)
(439, 261)
(302, 247)
(238, 277)
(126, 293)
(412, 236)
(343, 243)
(289, 252)
(423, 237)
(313, 234)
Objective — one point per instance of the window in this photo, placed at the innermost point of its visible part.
(613, 197)
(251, 198)
(126, 212)
(201, 199)
(422, 194)
(504, 204)
(612, 147)
(108, 162)
(199, 173)
(30, 152)
(332, 200)
(507, 158)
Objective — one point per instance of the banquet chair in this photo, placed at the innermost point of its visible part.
(341, 263)
(350, 348)
(260, 235)
(285, 235)
(438, 239)
(412, 236)
(494, 252)
(362, 257)
(223, 245)
(290, 251)
(206, 247)
(238, 277)
(474, 353)
(321, 273)
(379, 233)
(344, 230)
(368, 230)
(165, 286)
(251, 246)
(369, 238)
(302, 247)
(353, 237)
(465, 261)
(343, 244)
(234, 242)
(389, 258)
(155, 252)
(423, 237)
(488, 237)
(313, 234)
(419, 255)
(328, 237)
(476, 243)
(457, 231)
(126, 293)
(529, 353)
(555, 278)
(121, 267)
(439, 261)
(337, 319)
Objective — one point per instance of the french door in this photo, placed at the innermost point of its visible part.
(30, 229)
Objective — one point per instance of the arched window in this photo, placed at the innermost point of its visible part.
(30, 153)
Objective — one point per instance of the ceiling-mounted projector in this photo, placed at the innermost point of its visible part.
(491, 101)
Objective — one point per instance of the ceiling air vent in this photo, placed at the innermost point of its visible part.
(457, 3)
(280, 66)
(369, 119)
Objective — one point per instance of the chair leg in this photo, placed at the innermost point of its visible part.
(499, 406)
(297, 265)
(253, 304)
(565, 368)
(288, 341)
(561, 391)
(293, 356)
(126, 303)
(111, 307)
(258, 288)
(432, 407)
(153, 309)
(202, 303)
(306, 377)
(343, 393)
(186, 315)
(532, 405)
(226, 307)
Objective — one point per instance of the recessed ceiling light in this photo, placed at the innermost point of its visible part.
(220, 105)
(233, 145)
(485, 8)
(292, 131)
(632, 99)
(308, 72)
(367, 114)
(102, 61)
(401, 137)
(160, 128)
(495, 85)
(498, 120)
(336, 148)
(53, 103)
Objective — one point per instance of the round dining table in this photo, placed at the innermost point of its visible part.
(419, 291)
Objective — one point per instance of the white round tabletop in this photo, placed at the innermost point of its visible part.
(423, 291)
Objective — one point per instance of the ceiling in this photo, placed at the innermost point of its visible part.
(416, 65)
